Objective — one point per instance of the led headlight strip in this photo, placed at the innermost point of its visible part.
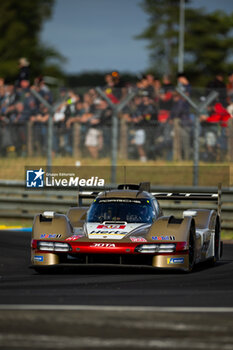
(53, 246)
(156, 248)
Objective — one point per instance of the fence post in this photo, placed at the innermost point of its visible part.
(123, 152)
(199, 108)
(176, 141)
(116, 109)
(29, 139)
(76, 140)
(230, 141)
(51, 110)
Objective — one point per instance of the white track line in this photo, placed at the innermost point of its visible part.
(43, 341)
(117, 308)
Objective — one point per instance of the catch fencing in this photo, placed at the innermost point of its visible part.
(137, 126)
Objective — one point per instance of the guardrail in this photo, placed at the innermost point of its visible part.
(18, 202)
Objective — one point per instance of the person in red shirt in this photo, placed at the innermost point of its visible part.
(214, 126)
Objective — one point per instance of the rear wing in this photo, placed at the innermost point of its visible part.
(173, 196)
(205, 197)
(86, 195)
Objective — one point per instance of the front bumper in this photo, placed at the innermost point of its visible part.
(110, 253)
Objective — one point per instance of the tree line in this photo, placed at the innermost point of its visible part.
(208, 41)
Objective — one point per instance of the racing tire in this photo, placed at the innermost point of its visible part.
(218, 246)
(192, 248)
(217, 242)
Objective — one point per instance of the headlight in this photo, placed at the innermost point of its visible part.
(167, 248)
(155, 248)
(53, 246)
(45, 246)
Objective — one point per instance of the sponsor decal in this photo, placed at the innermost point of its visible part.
(35, 178)
(107, 233)
(119, 200)
(138, 239)
(74, 238)
(50, 236)
(175, 260)
(38, 258)
(163, 238)
(114, 227)
(105, 245)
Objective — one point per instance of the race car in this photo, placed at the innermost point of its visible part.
(127, 226)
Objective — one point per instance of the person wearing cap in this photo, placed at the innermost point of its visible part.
(24, 71)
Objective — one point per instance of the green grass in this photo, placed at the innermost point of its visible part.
(157, 172)
(227, 235)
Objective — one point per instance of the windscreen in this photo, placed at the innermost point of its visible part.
(121, 209)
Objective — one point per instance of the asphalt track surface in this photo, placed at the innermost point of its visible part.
(93, 307)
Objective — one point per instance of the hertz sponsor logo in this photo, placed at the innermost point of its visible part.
(99, 232)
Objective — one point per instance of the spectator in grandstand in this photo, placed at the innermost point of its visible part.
(5, 131)
(145, 89)
(215, 141)
(133, 114)
(76, 114)
(120, 90)
(63, 139)
(43, 89)
(230, 88)
(157, 88)
(94, 136)
(230, 106)
(24, 71)
(219, 86)
(23, 93)
(10, 97)
(114, 87)
(149, 124)
(151, 85)
(105, 115)
(165, 99)
(183, 83)
(180, 111)
(39, 122)
(19, 118)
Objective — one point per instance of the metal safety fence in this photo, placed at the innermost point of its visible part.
(155, 141)
(18, 202)
(143, 127)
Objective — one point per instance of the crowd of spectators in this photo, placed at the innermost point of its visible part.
(149, 116)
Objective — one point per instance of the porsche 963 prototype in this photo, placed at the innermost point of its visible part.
(127, 226)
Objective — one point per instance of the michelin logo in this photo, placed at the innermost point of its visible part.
(175, 260)
(35, 178)
(38, 258)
